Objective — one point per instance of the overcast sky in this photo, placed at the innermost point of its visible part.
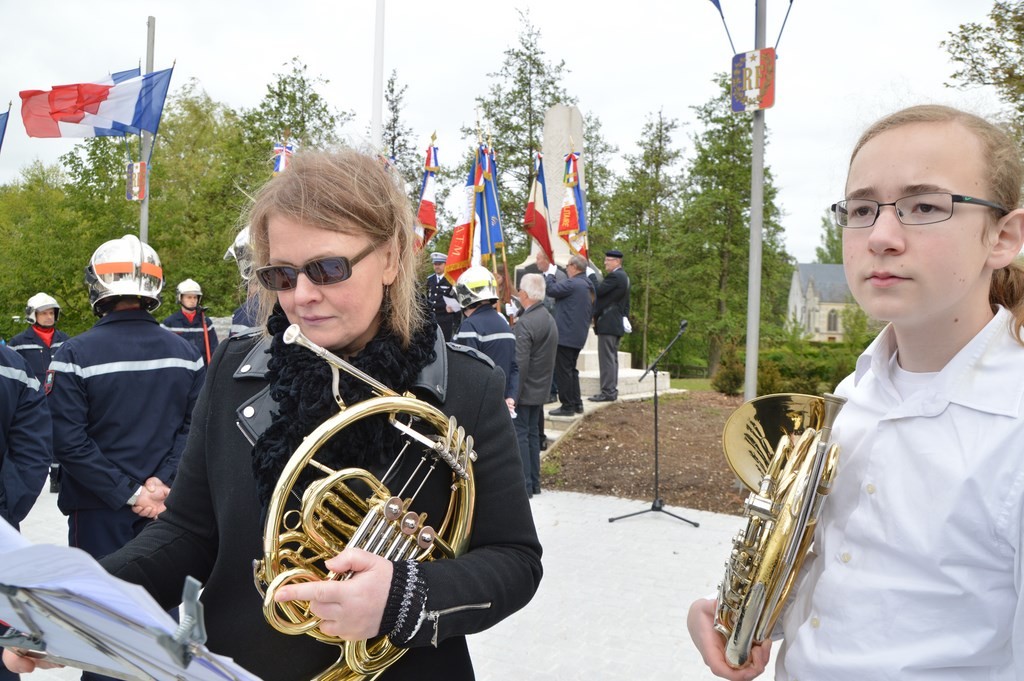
(841, 65)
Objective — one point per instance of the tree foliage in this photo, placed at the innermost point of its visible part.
(993, 54)
(831, 249)
(713, 243)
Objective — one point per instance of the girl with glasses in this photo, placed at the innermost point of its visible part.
(332, 243)
(917, 564)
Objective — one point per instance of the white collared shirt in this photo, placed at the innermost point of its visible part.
(917, 573)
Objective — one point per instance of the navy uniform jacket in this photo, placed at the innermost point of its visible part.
(488, 332)
(192, 331)
(122, 394)
(437, 288)
(245, 318)
(25, 440)
(612, 303)
(573, 302)
(38, 355)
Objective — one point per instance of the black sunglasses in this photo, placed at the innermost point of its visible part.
(322, 272)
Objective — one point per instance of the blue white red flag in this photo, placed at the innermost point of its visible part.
(753, 80)
(120, 104)
(572, 221)
(487, 198)
(536, 220)
(282, 156)
(3, 126)
(426, 215)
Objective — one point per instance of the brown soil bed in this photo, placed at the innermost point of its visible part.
(612, 452)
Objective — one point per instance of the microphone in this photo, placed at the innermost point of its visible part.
(683, 325)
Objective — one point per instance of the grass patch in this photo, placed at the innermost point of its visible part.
(692, 384)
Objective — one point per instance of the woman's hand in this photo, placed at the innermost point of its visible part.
(701, 623)
(350, 609)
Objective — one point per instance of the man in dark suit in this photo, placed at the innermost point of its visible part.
(610, 309)
(573, 306)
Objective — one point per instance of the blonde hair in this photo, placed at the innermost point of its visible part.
(1004, 170)
(350, 192)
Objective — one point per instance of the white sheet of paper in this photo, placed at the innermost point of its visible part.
(79, 609)
(452, 304)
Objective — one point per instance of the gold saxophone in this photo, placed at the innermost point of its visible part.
(351, 507)
(788, 485)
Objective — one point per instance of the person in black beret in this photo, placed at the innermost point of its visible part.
(611, 309)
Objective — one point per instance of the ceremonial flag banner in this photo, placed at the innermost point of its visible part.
(753, 80)
(572, 221)
(3, 126)
(282, 155)
(487, 203)
(426, 215)
(464, 249)
(536, 219)
(117, 105)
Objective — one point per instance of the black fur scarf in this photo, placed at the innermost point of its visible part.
(300, 383)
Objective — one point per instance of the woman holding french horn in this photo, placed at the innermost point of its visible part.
(414, 418)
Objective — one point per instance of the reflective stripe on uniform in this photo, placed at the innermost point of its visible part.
(26, 346)
(19, 375)
(185, 329)
(484, 338)
(127, 367)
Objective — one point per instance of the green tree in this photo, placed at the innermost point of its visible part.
(396, 136)
(713, 244)
(831, 249)
(992, 54)
(292, 106)
(512, 112)
(644, 209)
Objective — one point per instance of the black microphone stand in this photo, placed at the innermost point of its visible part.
(658, 504)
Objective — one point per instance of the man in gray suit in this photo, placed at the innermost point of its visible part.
(610, 308)
(536, 346)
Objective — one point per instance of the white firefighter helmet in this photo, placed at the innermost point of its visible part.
(39, 302)
(241, 253)
(124, 267)
(476, 285)
(190, 286)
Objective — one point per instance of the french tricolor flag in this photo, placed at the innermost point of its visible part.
(125, 102)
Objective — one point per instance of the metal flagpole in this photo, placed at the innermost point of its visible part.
(376, 116)
(756, 225)
(147, 137)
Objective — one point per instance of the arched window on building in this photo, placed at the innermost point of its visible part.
(833, 321)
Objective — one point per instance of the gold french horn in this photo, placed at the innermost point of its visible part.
(351, 507)
(788, 484)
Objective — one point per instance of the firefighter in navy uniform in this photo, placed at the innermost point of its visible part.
(37, 344)
(25, 445)
(245, 317)
(191, 322)
(439, 288)
(484, 329)
(122, 395)
(26, 441)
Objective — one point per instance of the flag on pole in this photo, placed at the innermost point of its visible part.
(282, 156)
(426, 215)
(536, 219)
(487, 203)
(3, 125)
(464, 249)
(117, 105)
(572, 221)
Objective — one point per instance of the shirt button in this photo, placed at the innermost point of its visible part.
(248, 412)
(815, 622)
(871, 489)
(245, 368)
(845, 557)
